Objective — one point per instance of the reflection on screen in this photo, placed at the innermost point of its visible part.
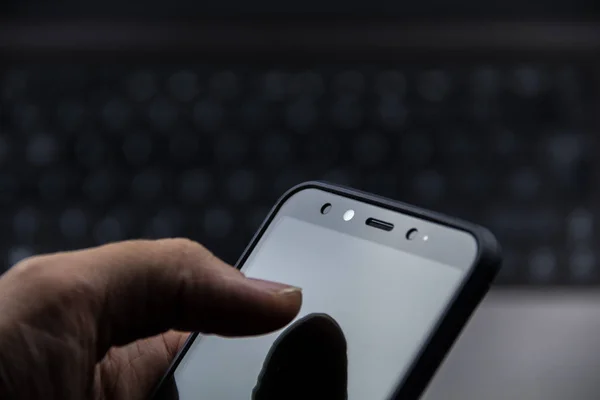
(367, 310)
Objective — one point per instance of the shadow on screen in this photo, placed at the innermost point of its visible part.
(307, 361)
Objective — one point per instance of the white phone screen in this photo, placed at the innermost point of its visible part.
(368, 309)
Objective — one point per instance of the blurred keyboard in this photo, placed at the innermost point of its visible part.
(91, 154)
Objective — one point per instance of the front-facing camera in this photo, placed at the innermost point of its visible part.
(412, 234)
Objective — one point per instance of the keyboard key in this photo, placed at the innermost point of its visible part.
(218, 222)
(70, 79)
(231, 148)
(18, 254)
(276, 149)
(71, 115)
(99, 187)
(473, 183)
(301, 116)
(346, 113)
(224, 85)
(26, 117)
(525, 224)
(416, 149)
(147, 185)
(167, 223)
(73, 224)
(116, 114)
(137, 149)
(543, 265)
(458, 146)
(564, 150)
(195, 186)
(14, 85)
(108, 230)
(115, 225)
(429, 186)
(349, 83)
(582, 265)
(506, 144)
(26, 224)
(485, 82)
(162, 114)
(483, 110)
(580, 226)
(323, 149)
(275, 85)
(525, 184)
(391, 113)
(53, 185)
(184, 147)
(391, 83)
(306, 84)
(433, 85)
(42, 150)
(254, 116)
(371, 149)
(183, 86)
(527, 81)
(141, 86)
(208, 116)
(242, 186)
(90, 150)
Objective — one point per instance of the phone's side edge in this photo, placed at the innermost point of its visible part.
(457, 315)
(485, 268)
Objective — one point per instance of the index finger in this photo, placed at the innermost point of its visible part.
(137, 289)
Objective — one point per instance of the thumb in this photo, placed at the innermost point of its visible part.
(139, 289)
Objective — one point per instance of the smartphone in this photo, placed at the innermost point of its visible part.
(387, 288)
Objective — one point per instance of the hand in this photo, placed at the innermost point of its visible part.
(105, 323)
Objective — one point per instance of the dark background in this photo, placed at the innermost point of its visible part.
(428, 8)
(155, 119)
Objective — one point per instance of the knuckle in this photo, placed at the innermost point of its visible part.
(186, 260)
(191, 265)
(41, 271)
(30, 265)
(185, 252)
(187, 263)
(53, 281)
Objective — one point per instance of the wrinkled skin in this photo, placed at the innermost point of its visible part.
(105, 323)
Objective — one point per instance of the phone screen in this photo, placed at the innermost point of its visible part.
(368, 309)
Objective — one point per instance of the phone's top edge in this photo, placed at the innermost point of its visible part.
(488, 248)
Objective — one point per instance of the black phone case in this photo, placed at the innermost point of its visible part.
(448, 328)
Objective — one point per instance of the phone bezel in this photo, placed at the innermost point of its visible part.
(466, 299)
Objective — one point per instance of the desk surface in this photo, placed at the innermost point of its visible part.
(526, 345)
